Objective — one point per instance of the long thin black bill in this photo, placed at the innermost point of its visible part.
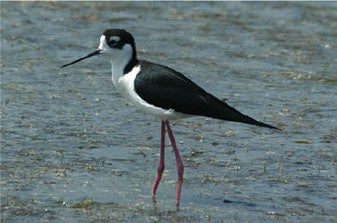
(85, 57)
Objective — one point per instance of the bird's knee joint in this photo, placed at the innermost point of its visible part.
(160, 168)
(180, 169)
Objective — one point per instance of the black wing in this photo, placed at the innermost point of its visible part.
(170, 89)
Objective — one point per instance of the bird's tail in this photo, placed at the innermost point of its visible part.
(221, 110)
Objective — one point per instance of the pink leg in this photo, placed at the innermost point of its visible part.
(161, 165)
(180, 165)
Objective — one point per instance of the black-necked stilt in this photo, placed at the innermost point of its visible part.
(160, 91)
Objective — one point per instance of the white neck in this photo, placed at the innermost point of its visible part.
(119, 62)
(117, 71)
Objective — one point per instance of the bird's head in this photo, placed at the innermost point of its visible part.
(117, 45)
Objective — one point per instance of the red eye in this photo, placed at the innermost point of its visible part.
(112, 42)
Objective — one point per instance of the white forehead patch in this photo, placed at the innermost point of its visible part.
(102, 43)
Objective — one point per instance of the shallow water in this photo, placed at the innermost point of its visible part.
(73, 150)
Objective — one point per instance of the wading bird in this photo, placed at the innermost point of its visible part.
(162, 92)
